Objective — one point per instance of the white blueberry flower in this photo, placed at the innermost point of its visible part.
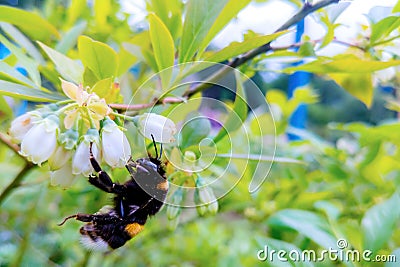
(59, 158)
(40, 141)
(88, 105)
(81, 160)
(162, 128)
(62, 177)
(115, 145)
(21, 125)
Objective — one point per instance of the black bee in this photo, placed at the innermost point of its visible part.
(134, 201)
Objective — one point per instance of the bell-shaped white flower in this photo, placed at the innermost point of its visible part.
(162, 128)
(81, 160)
(40, 141)
(115, 145)
(62, 177)
(59, 158)
(21, 125)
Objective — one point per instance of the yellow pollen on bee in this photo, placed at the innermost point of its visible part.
(163, 186)
(133, 229)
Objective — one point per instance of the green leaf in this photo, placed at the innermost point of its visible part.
(24, 61)
(305, 223)
(195, 129)
(200, 16)
(379, 223)
(383, 28)
(330, 34)
(5, 109)
(27, 93)
(239, 113)
(350, 72)
(396, 8)
(306, 50)
(230, 10)
(22, 41)
(69, 39)
(358, 85)
(108, 90)
(10, 74)
(89, 78)
(98, 57)
(179, 111)
(162, 42)
(170, 12)
(74, 11)
(126, 61)
(236, 48)
(30, 23)
(68, 68)
(140, 47)
(343, 63)
(102, 10)
(262, 124)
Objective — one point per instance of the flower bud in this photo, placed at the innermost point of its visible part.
(174, 209)
(115, 145)
(21, 125)
(213, 207)
(40, 141)
(172, 224)
(204, 198)
(81, 160)
(69, 139)
(162, 128)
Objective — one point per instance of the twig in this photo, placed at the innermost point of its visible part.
(349, 44)
(16, 182)
(301, 14)
(132, 107)
(306, 9)
(7, 141)
(166, 100)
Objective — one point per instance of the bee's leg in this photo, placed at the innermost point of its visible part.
(103, 180)
(96, 218)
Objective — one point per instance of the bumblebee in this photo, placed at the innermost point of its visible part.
(134, 201)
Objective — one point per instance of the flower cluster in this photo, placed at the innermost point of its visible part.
(87, 119)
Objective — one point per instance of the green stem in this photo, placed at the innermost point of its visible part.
(26, 236)
(64, 102)
(69, 106)
(85, 260)
(7, 141)
(16, 182)
(122, 116)
(92, 124)
(386, 41)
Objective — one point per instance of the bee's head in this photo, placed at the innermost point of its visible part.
(152, 164)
